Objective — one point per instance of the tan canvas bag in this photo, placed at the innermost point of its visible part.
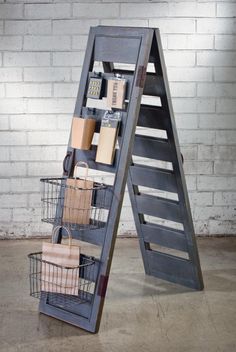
(60, 266)
(78, 198)
(82, 132)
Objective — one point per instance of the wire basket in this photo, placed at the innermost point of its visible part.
(63, 286)
(67, 202)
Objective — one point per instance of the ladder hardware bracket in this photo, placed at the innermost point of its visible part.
(140, 81)
(102, 286)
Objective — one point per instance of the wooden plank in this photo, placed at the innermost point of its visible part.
(171, 268)
(151, 147)
(153, 117)
(120, 31)
(78, 315)
(103, 197)
(178, 166)
(89, 157)
(160, 207)
(98, 114)
(116, 49)
(153, 177)
(154, 85)
(164, 236)
(95, 237)
(125, 154)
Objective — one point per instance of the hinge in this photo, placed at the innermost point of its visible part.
(102, 286)
(141, 77)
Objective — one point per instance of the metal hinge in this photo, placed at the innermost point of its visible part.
(102, 286)
(141, 77)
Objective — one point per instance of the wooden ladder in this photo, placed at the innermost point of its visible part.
(136, 47)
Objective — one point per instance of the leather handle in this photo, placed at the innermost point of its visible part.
(65, 163)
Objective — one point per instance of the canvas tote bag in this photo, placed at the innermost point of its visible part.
(78, 198)
(60, 273)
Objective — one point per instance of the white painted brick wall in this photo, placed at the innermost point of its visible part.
(42, 48)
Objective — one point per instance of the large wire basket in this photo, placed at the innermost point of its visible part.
(63, 286)
(68, 202)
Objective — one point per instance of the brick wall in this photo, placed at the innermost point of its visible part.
(41, 53)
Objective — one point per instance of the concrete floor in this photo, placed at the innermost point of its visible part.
(140, 314)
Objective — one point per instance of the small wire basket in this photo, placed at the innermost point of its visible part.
(63, 286)
(67, 202)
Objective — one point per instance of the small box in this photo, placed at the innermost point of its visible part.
(116, 89)
(107, 138)
(96, 87)
(82, 132)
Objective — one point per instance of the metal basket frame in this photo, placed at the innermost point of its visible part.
(53, 193)
(84, 275)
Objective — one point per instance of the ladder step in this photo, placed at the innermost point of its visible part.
(76, 314)
(114, 49)
(171, 268)
(98, 115)
(160, 207)
(153, 117)
(153, 177)
(151, 147)
(154, 85)
(103, 197)
(89, 157)
(164, 236)
(95, 237)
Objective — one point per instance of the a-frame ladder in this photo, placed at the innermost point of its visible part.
(184, 269)
(136, 47)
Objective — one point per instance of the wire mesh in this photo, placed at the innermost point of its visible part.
(62, 286)
(73, 203)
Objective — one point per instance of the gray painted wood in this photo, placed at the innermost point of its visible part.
(160, 207)
(167, 236)
(145, 37)
(152, 147)
(178, 168)
(153, 117)
(153, 177)
(109, 45)
(158, 264)
(116, 49)
(171, 268)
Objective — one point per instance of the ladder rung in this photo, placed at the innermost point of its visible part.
(116, 49)
(154, 85)
(122, 72)
(164, 236)
(92, 236)
(98, 115)
(77, 314)
(153, 117)
(172, 268)
(103, 196)
(160, 207)
(153, 177)
(89, 157)
(152, 147)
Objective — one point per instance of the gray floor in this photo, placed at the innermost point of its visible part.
(140, 314)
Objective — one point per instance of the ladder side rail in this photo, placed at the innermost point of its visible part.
(120, 178)
(178, 167)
